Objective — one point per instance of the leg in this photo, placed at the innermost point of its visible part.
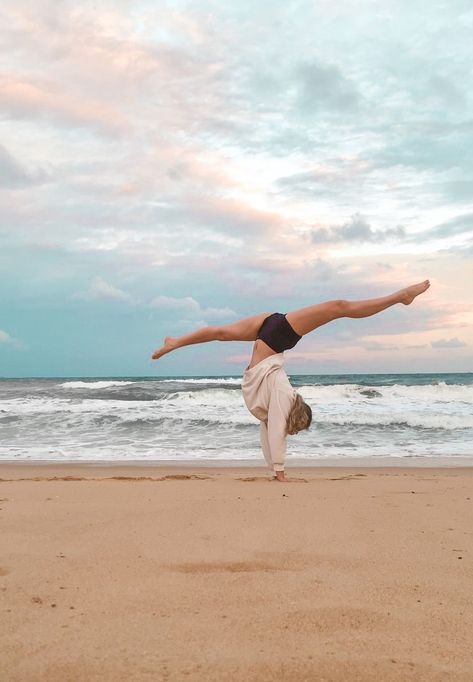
(307, 319)
(243, 330)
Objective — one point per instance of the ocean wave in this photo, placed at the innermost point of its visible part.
(85, 417)
(132, 418)
(340, 402)
(211, 396)
(9, 418)
(209, 380)
(421, 420)
(223, 456)
(397, 392)
(132, 394)
(74, 413)
(95, 384)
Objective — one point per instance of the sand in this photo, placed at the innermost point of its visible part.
(154, 573)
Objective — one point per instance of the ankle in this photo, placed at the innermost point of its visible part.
(402, 296)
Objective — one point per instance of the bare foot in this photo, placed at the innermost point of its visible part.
(169, 345)
(409, 293)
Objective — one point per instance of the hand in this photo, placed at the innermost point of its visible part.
(282, 478)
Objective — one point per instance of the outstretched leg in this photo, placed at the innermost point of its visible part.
(307, 319)
(242, 330)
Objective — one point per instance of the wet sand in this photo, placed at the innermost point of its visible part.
(111, 573)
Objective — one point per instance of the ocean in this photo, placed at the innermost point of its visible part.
(204, 419)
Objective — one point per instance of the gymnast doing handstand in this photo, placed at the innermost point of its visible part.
(266, 389)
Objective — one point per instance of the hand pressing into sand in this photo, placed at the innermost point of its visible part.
(282, 478)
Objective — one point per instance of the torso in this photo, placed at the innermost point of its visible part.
(261, 350)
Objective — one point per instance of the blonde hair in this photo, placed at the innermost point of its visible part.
(299, 417)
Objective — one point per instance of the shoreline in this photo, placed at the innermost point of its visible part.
(131, 471)
(221, 466)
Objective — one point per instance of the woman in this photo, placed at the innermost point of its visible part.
(266, 389)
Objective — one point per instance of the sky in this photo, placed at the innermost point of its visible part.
(170, 165)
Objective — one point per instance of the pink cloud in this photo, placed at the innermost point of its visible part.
(175, 169)
(102, 64)
(237, 359)
(27, 99)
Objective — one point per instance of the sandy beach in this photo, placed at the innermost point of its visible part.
(117, 573)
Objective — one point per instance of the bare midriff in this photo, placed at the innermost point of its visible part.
(261, 350)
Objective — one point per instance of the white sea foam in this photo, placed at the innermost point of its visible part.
(95, 384)
(424, 420)
(397, 392)
(218, 397)
(341, 407)
(209, 380)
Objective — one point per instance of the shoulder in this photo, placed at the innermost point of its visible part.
(282, 380)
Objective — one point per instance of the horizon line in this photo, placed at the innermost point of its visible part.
(213, 376)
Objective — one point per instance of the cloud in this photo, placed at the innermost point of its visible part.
(102, 290)
(424, 146)
(445, 92)
(322, 86)
(376, 346)
(222, 215)
(461, 224)
(189, 309)
(420, 316)
(448, 343)
(356, 229)
(112, 71)
(13, 174)
(28, 99)
(6, 339)
(340, 176)
(185, 309)
(236, 359)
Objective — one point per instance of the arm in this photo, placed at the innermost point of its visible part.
(279, 407)
(263, 432)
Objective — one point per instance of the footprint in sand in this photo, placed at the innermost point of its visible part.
(333, 619)
(169, 477)
(349, 477)
(226, 567)
(186, 477)
(4, 571)
(133, 478)
(262, 561)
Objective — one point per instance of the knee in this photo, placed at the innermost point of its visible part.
(341, 306)
(222, 334)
